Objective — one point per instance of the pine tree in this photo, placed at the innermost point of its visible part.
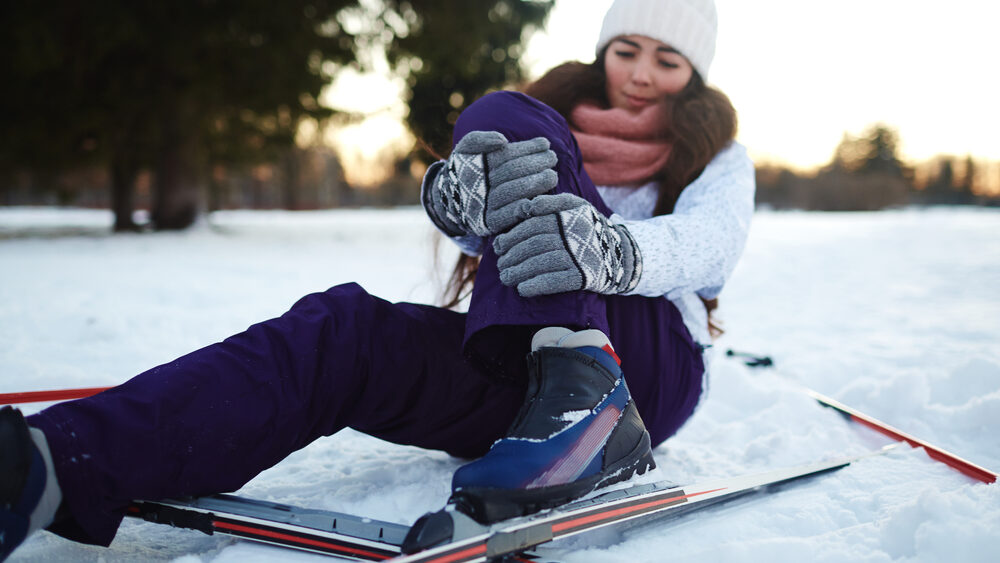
(178, 87)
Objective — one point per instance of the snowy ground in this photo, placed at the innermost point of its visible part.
(894, 313)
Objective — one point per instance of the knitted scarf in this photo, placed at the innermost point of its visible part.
(620, 148)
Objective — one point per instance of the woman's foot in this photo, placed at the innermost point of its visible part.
(29, 494)
(578, 430)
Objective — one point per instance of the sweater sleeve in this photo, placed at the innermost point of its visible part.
(470, 245)
(695, 248)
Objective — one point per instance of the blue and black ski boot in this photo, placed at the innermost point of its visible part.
(22, 479)
(578, 430)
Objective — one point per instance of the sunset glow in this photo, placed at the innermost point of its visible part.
(801, 75)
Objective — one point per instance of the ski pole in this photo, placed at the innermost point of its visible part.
(957, 463)
(53, 395)
(751, 360)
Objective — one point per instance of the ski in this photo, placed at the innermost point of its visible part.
(959, 464)
(450, 536)
(318, 531)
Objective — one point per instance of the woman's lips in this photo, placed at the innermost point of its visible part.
(637, 101)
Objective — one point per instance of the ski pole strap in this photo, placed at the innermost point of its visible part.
(964, 466)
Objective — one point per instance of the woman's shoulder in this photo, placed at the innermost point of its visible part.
(732, 160)
(734, 153)
(729, 175)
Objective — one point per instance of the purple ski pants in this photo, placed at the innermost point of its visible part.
(210, 421)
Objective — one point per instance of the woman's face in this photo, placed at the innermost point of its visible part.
(642, 71)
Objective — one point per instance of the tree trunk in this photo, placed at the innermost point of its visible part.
(175, 197)
(292, 179)
(123, 174)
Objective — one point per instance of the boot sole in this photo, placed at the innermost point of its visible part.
(488, 505)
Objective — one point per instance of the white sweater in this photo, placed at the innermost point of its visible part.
(691, 252)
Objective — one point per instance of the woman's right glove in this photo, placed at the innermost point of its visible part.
(484, 187)
(567, 245)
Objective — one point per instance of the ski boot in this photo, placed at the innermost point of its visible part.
(577, 431)
(22, 480)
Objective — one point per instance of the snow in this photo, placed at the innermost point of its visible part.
(574, 416)
(895, 313)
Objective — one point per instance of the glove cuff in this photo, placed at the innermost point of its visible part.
(429, 199)
(632, 260)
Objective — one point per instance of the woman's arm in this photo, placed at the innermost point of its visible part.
(695, 248)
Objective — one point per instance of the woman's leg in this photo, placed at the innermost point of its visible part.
(662, 365)
(210, 421)
(578, 428)
(501, 322)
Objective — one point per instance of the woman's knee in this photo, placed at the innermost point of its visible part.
(520, 117)
(340, 320)
(346, 299)
(515, 115)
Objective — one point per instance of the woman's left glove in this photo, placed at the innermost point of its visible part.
(567, 245)
(485, 184)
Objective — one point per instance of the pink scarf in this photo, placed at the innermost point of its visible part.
(620, 148)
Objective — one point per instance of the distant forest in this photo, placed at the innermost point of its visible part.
(867, 174)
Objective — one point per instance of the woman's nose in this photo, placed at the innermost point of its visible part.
(641, 74)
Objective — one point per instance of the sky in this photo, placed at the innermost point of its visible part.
(800, 74)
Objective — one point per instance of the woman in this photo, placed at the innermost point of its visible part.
(560, 277)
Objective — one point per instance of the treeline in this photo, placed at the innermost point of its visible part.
(302, 178)
(187, 105)
(867, 174)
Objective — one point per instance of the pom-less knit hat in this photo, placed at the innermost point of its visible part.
(690, 26)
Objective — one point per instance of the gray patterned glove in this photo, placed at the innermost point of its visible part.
(484, 186)
(567, 245)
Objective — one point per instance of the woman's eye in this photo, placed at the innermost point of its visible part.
(668, 64)
(625, 54)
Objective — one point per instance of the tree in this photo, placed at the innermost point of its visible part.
(453, 52)
(865, 173)
(942, 189)
(881, 153)
(44, 125)
(968, 184)
(849, 155)
(180, 87)
(876, 150)
(166, 85)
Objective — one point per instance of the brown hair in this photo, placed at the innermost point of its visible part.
(702, 123)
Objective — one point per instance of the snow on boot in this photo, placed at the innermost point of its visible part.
(578, 430)
(23, 476)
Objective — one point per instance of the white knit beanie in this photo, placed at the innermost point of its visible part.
(690, 26)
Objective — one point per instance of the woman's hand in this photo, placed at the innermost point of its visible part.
(485, 184)
(567, 245)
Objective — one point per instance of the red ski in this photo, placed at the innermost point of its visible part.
(450, 536)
